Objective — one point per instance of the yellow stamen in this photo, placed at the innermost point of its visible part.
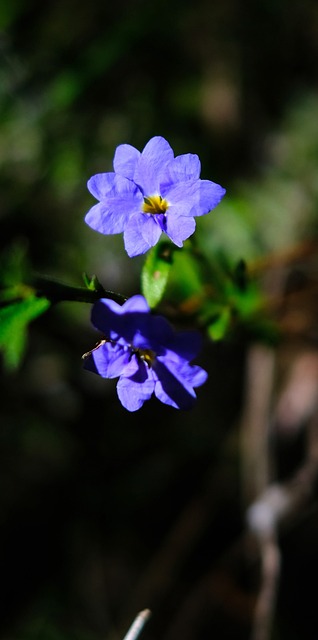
(154, 204)
(147, 355)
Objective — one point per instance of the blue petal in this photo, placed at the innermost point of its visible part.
(193, 375)
(171, 391)
(211, 194)
(194, 198)
(106, 317)
(112, 213)
(182, 168)
(155, 156)
(101, 184)
(190, 375)
(185, 344)
(179, 229)
(140, 234)
(125, 160)
(108, 360)
(150, 229)
(176, 381)
(182, 197)
(132, 394)
(105, 221)
(121, 322)
(137, 303)
(159, 332)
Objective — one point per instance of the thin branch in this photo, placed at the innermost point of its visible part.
(60, 292)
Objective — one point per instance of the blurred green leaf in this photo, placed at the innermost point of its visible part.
(14, 321)
(91, 282)
(14, 265)
(217, 330)
(186, 285)
(155, 273)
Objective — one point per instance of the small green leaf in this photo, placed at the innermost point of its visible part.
(155, 273)
(14, 321)
(91, 282)
(219, 327)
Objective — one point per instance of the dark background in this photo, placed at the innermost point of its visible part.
(102, 512)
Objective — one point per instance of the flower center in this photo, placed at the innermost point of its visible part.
(146, 355)
(154, 204)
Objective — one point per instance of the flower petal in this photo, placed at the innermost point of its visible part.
(211, 194)
(185, 344)
(179, 229)
(135, 304)
(112, 213)
(109, 360)
(132, 394)
(171, 391)
(182, 197)
(125, 160)
(102, 315)
(193, 375)
(182, 168)
(176, 381)
(122, 322)
(193, 198)
(154, 157)
(101, 184)
(140, 234)
(104, 220)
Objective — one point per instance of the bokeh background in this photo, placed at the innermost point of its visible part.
(104, 513)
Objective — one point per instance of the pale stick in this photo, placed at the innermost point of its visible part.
(138, 624)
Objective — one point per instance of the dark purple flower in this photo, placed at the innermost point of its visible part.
(145, 353)
(151, 192)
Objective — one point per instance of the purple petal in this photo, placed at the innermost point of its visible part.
(155, 156)
(193, 375)
(121, 322)
(103, 313)
(105, 221)
(112, 213)
(182, 168)
(211, 194)
(185, 345)
(179, 229)
(150, 229)
(176, 381)
(125, 160)
(135, 304)
(137, 239)
(132, 394)
(160, 331)
(190, 375)
(194, 198)
(101, 184)
(172, 391)
(109, 360)
(182, 197)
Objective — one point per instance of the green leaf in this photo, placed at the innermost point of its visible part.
(219, 327)
(186, 287)
(91, 282)
(14, 265)
(155, 273)
(14, 321)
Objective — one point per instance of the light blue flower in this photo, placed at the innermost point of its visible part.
(145, 353)
(151, 192)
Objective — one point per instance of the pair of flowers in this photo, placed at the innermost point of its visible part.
(149, 193)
